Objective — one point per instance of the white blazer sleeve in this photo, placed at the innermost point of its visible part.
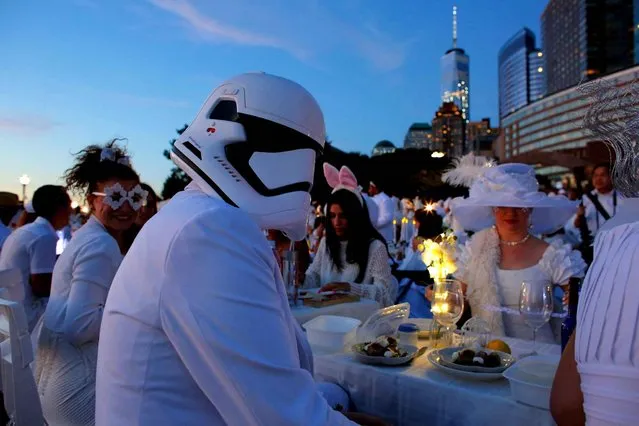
(385, 215)
(222, 311)
(93, 272)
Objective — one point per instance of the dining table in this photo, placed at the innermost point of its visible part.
(420, 394)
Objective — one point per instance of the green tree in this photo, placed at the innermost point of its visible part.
(177, 180)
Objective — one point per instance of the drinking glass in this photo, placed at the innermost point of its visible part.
(535, 306)
(447, 304)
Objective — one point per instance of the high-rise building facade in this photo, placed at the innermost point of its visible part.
(455, 77)
(419, 136)
(587, 39)
(521, 73)
(554, 124)
(449, 130)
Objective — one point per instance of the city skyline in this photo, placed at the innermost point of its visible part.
(84, 71)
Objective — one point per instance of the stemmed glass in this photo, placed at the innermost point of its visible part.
(448, 304)
(535, 306)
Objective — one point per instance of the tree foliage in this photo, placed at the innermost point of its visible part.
(404, 173)
(177, 179)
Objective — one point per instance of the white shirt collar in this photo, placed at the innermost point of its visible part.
(42, 221)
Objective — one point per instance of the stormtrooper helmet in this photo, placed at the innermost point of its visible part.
(253, 144)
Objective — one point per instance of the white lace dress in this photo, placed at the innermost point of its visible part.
(497, 299)
(378, 283)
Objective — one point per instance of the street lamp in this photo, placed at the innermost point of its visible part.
(437, 154)
(24, 181)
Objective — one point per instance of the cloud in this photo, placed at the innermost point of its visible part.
(213, 30)
(26, 125)
(307, 29)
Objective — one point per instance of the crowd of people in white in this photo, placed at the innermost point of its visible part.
(147, 317)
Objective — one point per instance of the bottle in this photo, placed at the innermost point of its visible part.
(570, 322)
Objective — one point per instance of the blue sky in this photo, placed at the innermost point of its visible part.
(76, 72)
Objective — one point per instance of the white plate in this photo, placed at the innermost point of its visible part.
(446, 359)
(413, 352)
(435, 358)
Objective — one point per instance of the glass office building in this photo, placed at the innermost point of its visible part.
(455, 80)
(587, 39)
(555, 122)
(521, 76)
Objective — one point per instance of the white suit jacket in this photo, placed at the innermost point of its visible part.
(197, 329)
(385, 216)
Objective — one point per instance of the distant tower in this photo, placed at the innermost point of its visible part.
(455, 79)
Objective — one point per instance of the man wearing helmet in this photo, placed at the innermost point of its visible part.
(197, 329)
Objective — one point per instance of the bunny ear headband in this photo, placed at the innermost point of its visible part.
(342, 179)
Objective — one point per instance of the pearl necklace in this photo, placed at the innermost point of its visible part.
(515, 243)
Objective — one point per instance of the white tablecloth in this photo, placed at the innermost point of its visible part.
(360, 310)
(420, 395)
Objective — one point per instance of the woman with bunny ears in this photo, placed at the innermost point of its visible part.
(353, 255)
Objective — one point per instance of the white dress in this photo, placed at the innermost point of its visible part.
(378, 283)
(558, 264)
(607, 340)
(68, 343)
(197, 329)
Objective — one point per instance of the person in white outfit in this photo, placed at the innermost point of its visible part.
(68, 342)
(9, 205)
(597, 382)
(506, 210)
(197, 329)
(352, 256)
(386, 212)
(32, 249)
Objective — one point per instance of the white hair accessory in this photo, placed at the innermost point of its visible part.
(108, 154)
(115, 196)
(466, 170)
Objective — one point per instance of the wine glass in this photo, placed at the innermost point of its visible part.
(447, 304)
(535, 306)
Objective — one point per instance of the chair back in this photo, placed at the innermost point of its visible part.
(21, 399)
(11, 285)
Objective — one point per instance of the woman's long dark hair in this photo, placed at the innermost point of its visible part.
(89, 169)
(360, 234)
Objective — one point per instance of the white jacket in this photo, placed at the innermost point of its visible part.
(197, 329)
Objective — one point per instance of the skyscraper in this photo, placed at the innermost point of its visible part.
(455, 82)
(449, 130)
(587, 39)
(521, 72)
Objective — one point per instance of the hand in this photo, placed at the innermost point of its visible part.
(581, 210)
(366, 419)
(336, 287)
(429, 293)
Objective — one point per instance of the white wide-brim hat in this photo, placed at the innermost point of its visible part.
(511, 185)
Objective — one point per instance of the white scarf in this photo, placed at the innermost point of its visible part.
(480, 275)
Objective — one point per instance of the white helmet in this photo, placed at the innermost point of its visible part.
(254, 144)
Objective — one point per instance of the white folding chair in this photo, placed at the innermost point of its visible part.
(11, 285)
(21, 399)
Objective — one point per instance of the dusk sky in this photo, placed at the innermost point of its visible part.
(76, 72)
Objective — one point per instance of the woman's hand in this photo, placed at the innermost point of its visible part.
(335, 286)
(365, 419)
(429, 293)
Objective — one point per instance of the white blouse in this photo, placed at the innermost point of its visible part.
(557, 265)
(607, 340)
(68, 342)
(378, 283)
